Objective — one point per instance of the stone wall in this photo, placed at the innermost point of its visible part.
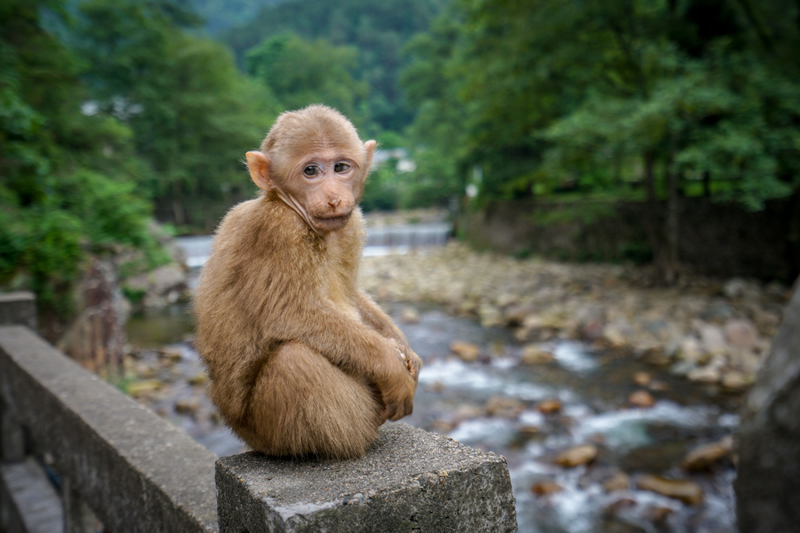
(121, 464)
(716, 239)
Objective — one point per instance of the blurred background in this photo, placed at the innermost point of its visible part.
(585, 215)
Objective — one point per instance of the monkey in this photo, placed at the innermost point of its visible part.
(302, 363)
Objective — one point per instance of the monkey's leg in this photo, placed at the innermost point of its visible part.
(302, 405)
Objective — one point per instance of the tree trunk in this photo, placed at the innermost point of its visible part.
(671, 264)
(177, 208)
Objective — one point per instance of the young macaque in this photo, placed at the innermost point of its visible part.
(302, 362)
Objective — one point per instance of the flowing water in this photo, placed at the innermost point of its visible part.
(592, 388)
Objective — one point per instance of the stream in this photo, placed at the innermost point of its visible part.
(495, 404)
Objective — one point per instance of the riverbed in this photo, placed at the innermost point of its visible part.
(529, 413)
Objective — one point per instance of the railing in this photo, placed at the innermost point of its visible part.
(118, 464)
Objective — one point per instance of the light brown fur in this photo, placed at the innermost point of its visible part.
(302, 362)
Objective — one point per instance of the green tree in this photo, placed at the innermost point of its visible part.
(377, 30)
(301, 72)
(65, 186)
(191, 112)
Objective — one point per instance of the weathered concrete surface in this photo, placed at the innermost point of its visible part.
(29, 501)
(18, 308)
(135, 470)
(411, 480)
(768, 479)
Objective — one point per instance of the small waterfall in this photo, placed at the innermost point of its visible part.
(381, 240)
(401, 238)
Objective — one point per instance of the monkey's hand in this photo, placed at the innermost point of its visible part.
(399, 383)
(410, 359)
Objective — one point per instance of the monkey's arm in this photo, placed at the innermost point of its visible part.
(378, 320)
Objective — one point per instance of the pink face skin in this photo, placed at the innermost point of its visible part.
(322, 188)
(326, 185)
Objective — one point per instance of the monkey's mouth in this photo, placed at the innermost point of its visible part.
(332, 223)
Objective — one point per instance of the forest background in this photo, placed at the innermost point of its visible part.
(113, 113)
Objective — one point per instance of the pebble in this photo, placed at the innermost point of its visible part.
(642, 379)
(684, 490)
(705, 457)
(641, 399)
(187, 405)
(409, 315)
(579, 455)
(533, 355)
(705, 374)
(504, 407)
(549, 407)
(606, 304)
(546, 488)
(466, 351)
(735, 381)
(618, 481)
(142, 388)
(199, 379)
(741, 334)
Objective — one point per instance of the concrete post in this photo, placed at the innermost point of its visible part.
(410, 481)
(12, 436)
(78, 518)
(18, 308)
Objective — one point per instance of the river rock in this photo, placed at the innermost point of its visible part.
(618, 481)
(684, 490)
(734, 288)
(187, 405)
(549, 407)
(515, 315)
(490, 315)
(546, 488)
(533, 355)
(641, 399)
(616, 335)
(690, 350)
(143, 388)
(409, 315)
(741, 334)
(734, 380)
(466, 351)
(706, 374)
(712, 339)
(579, 455)
(504, 407)
(642, 378)
(199, 379)
(704, 457)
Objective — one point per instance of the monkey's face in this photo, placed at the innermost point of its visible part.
(327, 184)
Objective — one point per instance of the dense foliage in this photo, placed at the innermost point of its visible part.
(67, 180)
(376, 30)
(114, 111)
(633, 99)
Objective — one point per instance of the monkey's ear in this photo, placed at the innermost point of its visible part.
(370, 146)
(258, 165)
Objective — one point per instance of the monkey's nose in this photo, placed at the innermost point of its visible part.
(334, 202)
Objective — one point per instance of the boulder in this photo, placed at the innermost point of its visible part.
(768, 443)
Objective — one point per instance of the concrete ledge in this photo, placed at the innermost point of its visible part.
(18, 308)
(135, 470)
(32, 504)
(411, 480)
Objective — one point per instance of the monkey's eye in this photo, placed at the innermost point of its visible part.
(341, 167)
(311, 171)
